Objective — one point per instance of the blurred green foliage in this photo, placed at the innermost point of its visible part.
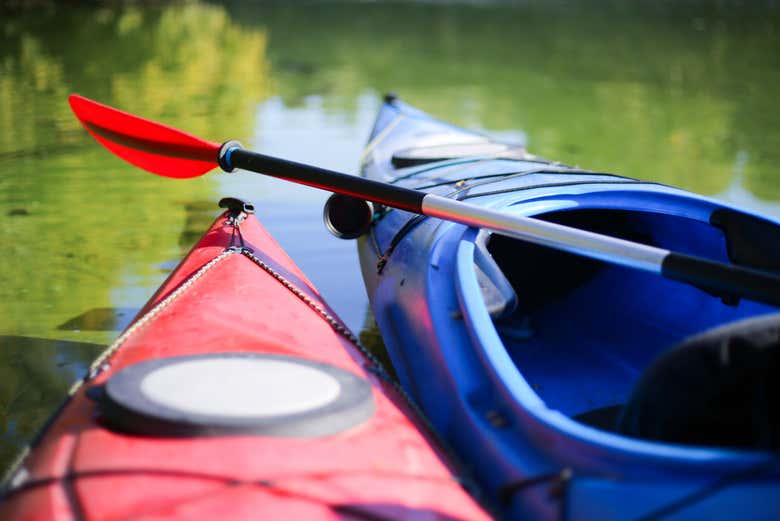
(668, 91)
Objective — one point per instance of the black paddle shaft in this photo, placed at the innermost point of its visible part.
(360, 187)
(723, 278)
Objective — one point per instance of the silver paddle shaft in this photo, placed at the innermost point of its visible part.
(573, 240)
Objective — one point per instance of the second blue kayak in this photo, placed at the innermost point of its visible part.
(576, 389)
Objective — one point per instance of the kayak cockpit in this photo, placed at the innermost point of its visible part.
(582, 332)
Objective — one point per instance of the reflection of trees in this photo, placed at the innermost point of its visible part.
(659, 91)
(74, 221)
(170, 64)
(186, 62)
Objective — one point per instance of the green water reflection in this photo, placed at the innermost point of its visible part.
(683, 95)
(671, 93)
(81, 231)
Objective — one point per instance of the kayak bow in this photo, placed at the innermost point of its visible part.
(235, 394)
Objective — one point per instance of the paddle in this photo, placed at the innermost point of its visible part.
(169, 152)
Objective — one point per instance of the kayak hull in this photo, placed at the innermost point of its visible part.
(510, 349)
(237, 293)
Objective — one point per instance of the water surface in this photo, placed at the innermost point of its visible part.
(683, 95)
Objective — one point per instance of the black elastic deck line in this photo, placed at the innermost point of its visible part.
(516, 175)
(467, 160)
(408, 226)
(554, 185)
(276, 483)
(497, 178)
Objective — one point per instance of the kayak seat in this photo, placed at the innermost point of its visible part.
(585, 331)
(717, 388)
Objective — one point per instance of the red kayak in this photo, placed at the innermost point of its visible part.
(236, 394)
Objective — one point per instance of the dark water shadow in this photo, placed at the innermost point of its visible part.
(100, 319)
(35, 375)
(371, 338)
(199, 217)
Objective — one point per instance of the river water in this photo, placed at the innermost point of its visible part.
(681, 94)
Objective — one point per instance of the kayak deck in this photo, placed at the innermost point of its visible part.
(247, 301)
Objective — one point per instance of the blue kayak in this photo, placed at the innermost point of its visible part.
(574, 388)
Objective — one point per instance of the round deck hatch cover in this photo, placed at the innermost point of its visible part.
(235, 393)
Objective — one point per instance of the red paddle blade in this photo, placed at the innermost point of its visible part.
(155, 147)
